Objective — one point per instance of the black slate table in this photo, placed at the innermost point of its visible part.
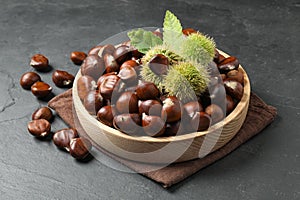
(264, 35)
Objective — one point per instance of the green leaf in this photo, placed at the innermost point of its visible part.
(143, 40)
(172, 36)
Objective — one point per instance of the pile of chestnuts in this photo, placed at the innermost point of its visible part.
(112, 90)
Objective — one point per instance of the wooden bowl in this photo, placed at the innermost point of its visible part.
(163, 149)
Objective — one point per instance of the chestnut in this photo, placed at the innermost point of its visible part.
(234, 89)
(175, 128)
(153, 125)
(102, 78)
(95, 50)
(236, 75)
(63, 137)
(129, 63)
(147, 90)
(42, 113)
(122, 53)
(62, 79)
(109, 85)
(93, 101)
(150, 107)
(106, 49)
(228, 64)
(93, 66)
(215, 112)
(191, 108)
(110, 63)
(200, 121)
(188, 31)
(171, 109)
(39, 128)
(39, 62)
(28, 79)
(128, 75)
(159, 64)
(41, 89)
(78, 57)
(128, 123)
(127, 103)
(230, 104)
(106, 115)
(79, 148)
(85, 84)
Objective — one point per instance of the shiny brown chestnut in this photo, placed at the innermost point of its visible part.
(175, 128)
(147, 90)
(200, 121)
(93, 66)
(122, 53)
(109, 84)
(230, 104)
(63, 137)
(153, 125)
(159, 64)
(42, 113)
(39, 128)
(171, 110)
(234, 89)
(129, 63)
(188, 31)
(236, 75)
(128, 123)
(39, 62)
(95, 50)
(127, 103)
(106, 49)
(85, 84)
(41, 89)
(62, 79)
(215, 112)
(128, 75)
(110, 63)
(79, 148)
(230, 63)
(150, 107)
(93, 101)
(106, 115)
(77, 57)
(28, 79)
(191, 108)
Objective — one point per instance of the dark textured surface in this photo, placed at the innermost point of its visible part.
(262, 34)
